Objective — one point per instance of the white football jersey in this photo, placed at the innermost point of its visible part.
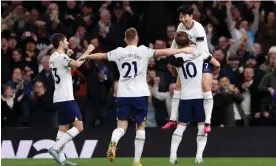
(59, 64)
(197, 37)
(190, 75)
(132, 63)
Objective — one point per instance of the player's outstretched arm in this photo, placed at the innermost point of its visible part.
(172, 51)
(97, 56)
(77, 63)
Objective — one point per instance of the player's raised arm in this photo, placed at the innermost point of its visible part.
(182, 41)
(172, 51)
(97, 56)
(77, 63)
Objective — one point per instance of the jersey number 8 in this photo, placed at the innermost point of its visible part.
(56, 77)
(187, 72)
(128, 66)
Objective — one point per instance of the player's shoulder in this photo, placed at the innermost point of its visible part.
(180, 27)
(198, 26)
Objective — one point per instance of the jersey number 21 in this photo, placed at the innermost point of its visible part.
(128, 66)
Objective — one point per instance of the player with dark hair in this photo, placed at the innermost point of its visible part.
(67, 108)
(197, 37)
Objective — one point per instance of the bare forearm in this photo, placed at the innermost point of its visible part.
(172, 51)
(97, 56)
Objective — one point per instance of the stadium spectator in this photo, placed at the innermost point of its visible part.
(235, 115)
(43, 113)
(163, 96)
(171, 29)
(11, 106)
(232, 70)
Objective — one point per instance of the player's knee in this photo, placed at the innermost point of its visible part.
(176, 94)
(201, 123)
(79, 126)
(141, 134)
(141, 126)
(182, 123)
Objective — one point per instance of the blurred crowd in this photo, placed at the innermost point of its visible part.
(241, 36)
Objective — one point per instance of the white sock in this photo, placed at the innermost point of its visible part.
(62, 149)
(208, 106)
(175, 104)
(139, 144)
(66, 137)
(201, 141)
(117, 134)
(176, 140)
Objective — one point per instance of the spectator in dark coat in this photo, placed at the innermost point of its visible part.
(11, 106)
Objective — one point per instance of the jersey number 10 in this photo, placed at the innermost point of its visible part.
(129, 68)
(187, 72)
(56, 77)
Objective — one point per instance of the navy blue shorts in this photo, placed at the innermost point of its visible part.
(132, 107)
(68, 112)
(207, 68)
(191, 111)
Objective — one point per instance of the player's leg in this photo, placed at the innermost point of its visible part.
(69, 113)
(175, 105)
(201, 135)
(139, 142)
(184, 116)
(123, 114)
(141, 111)
(116, 136)
(207, 77)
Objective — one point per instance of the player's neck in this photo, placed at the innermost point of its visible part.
(190, 26)
(131, 44)
(60, 50)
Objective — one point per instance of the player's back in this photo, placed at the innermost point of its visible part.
(132, 63)
(62, 77)
(190, 75)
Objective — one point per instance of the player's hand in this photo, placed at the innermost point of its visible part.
(69, 52)
(90, 48)
(156, 80)
(266, 114)
(257, 115)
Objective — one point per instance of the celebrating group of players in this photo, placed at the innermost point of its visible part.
(192, 63)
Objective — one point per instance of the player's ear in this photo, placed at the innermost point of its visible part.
(137, 39)
(125, 40)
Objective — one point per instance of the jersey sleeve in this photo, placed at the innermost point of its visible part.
(66, 60)
(111, 55)
(148, 51)
(201, 41)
